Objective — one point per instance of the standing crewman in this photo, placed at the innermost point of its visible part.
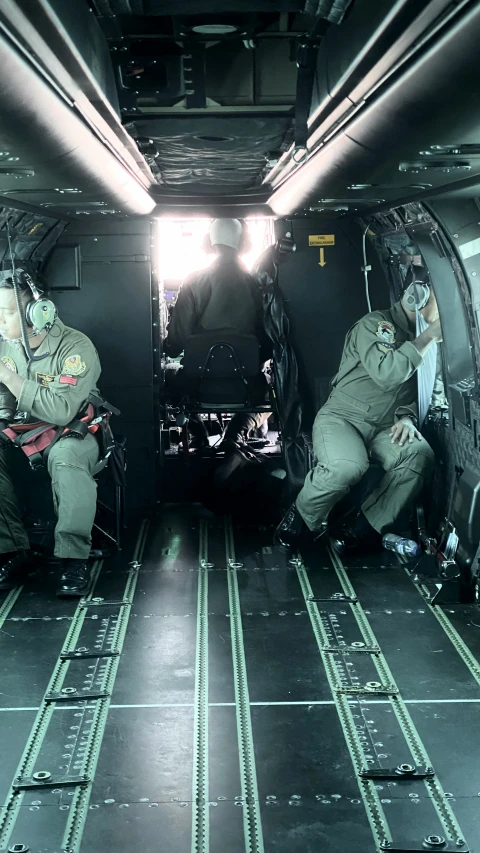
(47, 373)
(373, 414)
(223, 297)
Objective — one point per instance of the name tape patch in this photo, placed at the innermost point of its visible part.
(45, 379)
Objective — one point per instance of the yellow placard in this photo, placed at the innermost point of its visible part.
(321, 240)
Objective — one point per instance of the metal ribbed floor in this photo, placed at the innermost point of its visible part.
(241, 713)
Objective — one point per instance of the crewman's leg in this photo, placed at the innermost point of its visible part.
(342, 462)
(15, 557)
(198, 431)
(242, 423)
(407, 469)
(13, 536)
(71, 464)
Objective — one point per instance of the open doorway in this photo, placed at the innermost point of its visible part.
(181, 253)
(180, 245)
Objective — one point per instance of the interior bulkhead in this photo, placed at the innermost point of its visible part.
(209, 691)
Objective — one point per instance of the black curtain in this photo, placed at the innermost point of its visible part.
(285, 370)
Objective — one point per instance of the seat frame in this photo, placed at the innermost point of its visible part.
(189, 406)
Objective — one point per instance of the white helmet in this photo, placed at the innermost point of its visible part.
(226, 232)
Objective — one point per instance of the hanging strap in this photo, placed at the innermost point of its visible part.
(307, 53)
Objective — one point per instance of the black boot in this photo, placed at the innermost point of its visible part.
(15, 568)
(289, 530)
(74, 580)
(356, 536)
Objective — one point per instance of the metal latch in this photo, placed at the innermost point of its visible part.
(71, 694)
(44, 779)
(430, 842)
(371, 687)
(82, 654)
(355, 648)
(338, 596)
(402, 771)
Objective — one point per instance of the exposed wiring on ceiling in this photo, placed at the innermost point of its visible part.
(366, 268)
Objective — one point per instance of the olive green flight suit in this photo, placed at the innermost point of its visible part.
(375, 386)
(55, 390)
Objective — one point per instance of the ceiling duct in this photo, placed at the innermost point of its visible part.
(46, 136)
(415, 111)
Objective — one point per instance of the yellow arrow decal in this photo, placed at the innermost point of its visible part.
(322, 260)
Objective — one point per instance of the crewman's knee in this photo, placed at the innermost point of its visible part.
(73, 454)
(342, 473)
(418, 456)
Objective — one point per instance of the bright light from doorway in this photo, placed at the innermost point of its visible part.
(181, 245)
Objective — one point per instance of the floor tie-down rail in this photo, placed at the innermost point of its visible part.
(260, 706)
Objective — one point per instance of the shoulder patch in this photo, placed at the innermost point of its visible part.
(386, 332)
(9, 362)
(67, 380)
(73, 366)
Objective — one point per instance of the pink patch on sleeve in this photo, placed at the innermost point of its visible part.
(68, 380)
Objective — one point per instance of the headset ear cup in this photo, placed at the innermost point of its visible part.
(413, 293)
(28, 312)
(42, 314)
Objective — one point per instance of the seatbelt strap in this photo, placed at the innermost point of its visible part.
(99, 403)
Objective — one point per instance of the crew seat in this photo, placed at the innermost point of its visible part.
(223, 369)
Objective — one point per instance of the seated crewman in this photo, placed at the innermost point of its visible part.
(372, 414)
(54, 388)
(223, 297)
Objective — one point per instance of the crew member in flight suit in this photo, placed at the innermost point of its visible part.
(222, 297)
(371, 414)
(54, 389)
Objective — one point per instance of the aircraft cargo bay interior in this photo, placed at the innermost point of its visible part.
(239, 426)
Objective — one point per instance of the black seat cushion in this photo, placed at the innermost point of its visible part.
(221, 355)
(223, 367)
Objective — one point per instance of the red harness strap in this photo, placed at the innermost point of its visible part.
(35, 438)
